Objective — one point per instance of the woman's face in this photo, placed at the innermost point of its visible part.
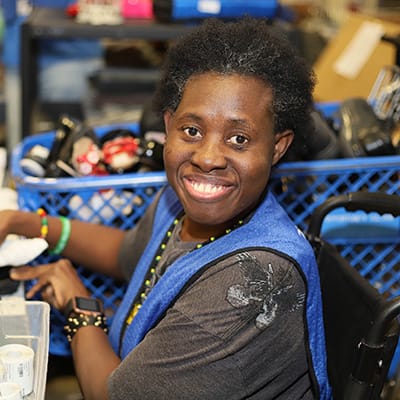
(220, 147)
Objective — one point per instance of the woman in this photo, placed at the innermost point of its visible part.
(224, 299)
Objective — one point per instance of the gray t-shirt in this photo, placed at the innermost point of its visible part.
(236, 332)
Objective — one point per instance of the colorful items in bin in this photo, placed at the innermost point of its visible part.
(86, 157)
(361, 132)
(35, 161)
(77, 151)
(120, 150)
(124, 152)
(71, 136)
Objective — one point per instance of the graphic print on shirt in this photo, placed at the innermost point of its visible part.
(260, 289)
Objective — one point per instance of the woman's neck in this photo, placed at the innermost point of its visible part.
(193, 231)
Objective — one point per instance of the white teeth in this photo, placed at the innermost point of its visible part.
(206, 187)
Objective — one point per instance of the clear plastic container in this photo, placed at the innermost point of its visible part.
(27, 323)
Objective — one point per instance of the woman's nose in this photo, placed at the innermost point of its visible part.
(209, 155)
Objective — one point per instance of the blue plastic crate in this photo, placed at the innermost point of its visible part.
(299, 186)
(115, 200)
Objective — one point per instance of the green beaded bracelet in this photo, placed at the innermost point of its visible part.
(64, 237)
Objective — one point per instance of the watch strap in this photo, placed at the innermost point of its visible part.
(76, 322)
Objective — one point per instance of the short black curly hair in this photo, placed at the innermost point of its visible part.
(248, 46)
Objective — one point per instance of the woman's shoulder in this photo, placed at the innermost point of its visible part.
(252, 285)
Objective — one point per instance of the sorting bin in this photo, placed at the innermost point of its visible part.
(26, 323)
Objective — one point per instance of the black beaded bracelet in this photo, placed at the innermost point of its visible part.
(77, 321)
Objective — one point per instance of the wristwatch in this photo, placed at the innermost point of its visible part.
(84, 305)
(81, 312)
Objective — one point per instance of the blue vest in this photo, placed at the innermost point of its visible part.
(269, 228)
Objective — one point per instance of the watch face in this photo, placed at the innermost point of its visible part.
(88, 304)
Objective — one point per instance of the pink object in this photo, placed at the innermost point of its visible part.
(137, 8)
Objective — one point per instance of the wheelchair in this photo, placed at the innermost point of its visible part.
(361, 324)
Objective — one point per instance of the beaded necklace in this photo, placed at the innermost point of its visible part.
(152, 276)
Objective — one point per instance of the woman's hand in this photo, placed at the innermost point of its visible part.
(57, 282)
(5, 218)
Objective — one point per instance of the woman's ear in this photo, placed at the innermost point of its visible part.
(282, 142)
(167, 116)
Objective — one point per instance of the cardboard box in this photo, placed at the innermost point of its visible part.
(331, 85)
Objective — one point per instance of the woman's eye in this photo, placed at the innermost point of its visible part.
(238, 140)
(191, 131)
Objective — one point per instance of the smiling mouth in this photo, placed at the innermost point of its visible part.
(205, 190)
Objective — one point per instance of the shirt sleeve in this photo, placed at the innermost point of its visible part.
(236, 332)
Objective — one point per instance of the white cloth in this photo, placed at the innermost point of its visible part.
(15, 252)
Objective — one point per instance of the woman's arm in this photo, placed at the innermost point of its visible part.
(94, 361)
(92, 245)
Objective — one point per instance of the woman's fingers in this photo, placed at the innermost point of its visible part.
(57, 282)
(31, 273)
(49, 295)
(37, 287)
(24, 273)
